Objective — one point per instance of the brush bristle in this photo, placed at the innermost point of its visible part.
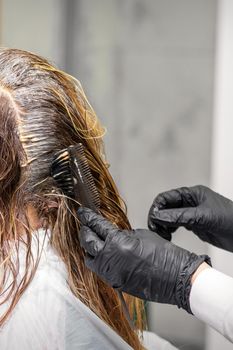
(71, 171)
(60, 171)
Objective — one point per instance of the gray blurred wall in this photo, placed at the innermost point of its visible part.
(147, 67)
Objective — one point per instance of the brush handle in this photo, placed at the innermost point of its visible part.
(125, 309)
(84, 187)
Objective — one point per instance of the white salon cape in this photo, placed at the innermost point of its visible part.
(211, 300)
(49, 317)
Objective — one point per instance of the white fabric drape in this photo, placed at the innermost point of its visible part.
(49, 317)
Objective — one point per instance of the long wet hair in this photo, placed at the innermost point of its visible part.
(43, 110)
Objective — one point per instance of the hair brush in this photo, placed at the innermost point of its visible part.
(73, 176)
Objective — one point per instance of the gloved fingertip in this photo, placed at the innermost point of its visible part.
(159, 201)
(84, 214)
(82, 234)
(83, 210)
(80, 213)
(80, 210)
(155, 213)
(156, 208)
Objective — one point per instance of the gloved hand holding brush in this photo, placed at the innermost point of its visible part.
(138, 262)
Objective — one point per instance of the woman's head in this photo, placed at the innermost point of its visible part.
(43, 110)
(49, 112)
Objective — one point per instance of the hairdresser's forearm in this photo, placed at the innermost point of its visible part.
(211, 299)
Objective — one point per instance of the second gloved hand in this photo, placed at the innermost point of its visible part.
(208, 214)
(138, 262)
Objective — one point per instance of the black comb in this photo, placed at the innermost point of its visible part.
(72, 173)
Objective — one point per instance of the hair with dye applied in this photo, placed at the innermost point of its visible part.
(42, 111)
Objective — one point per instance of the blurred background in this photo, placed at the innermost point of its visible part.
(159, 75)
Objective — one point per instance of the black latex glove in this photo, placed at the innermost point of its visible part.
(138, 262)
(208, 214)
